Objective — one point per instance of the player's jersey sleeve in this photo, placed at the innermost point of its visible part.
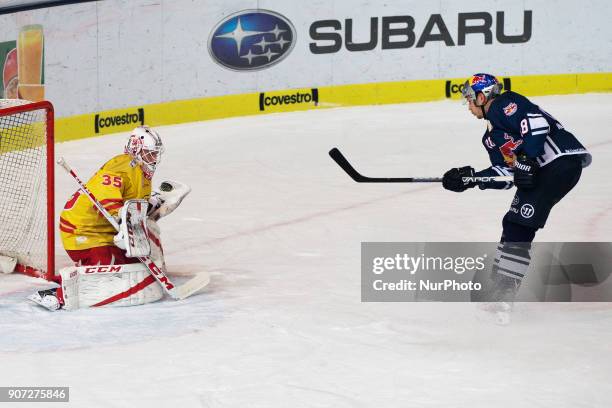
(81, 224)
(500, 148)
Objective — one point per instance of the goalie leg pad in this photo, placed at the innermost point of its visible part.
(107, 285)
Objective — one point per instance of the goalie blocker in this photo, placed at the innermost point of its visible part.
(121, 285)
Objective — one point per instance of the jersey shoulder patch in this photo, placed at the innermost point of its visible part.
(510, 109)
(507, 110)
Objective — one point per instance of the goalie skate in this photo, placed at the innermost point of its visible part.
(47, 299)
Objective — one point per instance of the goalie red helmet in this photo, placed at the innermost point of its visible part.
(145, 147)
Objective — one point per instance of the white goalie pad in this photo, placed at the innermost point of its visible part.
(108, 285)
(167, 199)
(132, 236)
(115, 285)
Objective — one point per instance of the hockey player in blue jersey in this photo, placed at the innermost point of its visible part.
(545, 160)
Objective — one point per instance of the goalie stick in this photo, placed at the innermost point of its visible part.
(177, 293)
(359, 178)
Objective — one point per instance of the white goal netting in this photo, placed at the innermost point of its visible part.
(24, 183)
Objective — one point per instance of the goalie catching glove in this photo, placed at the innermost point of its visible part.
(167, 199)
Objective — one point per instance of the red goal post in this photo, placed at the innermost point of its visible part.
(27, 183)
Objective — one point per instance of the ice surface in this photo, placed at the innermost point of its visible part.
(279, 226)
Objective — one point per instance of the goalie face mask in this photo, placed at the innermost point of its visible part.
(146, 148)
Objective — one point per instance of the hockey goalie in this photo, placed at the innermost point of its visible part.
(107, 271)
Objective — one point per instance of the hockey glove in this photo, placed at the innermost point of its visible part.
(453, 179)
(525, 172)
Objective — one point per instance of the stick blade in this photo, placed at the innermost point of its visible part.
(339, 158)
(193, 285)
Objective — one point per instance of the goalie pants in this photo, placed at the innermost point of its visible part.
(104, 255)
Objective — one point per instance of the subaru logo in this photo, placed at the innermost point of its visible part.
(251, 40)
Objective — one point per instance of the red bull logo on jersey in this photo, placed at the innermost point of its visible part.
(510, 109)
(508, 148)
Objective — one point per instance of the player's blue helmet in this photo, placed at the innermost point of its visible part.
(486, 84)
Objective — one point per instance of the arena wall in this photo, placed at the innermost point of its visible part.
(112, 64)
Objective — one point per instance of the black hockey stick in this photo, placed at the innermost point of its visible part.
(359, 178)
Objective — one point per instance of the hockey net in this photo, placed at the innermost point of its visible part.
(26, 186)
